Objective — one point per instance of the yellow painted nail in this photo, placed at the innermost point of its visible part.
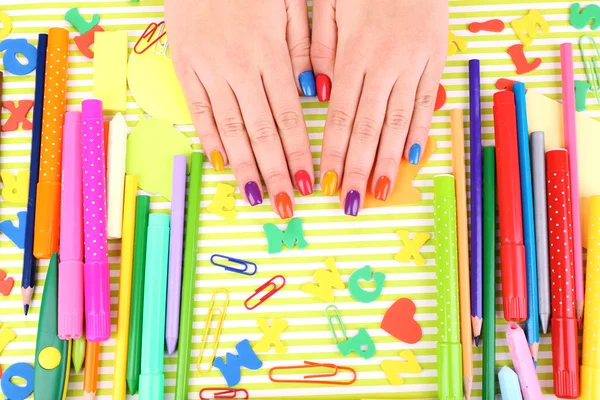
(329, 183)
(217, 161)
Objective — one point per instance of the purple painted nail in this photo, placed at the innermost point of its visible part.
(253, 193)
(352, 203)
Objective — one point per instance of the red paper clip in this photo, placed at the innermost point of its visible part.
(309, 378)
(151, 29)
(270, 282)
(224, 393)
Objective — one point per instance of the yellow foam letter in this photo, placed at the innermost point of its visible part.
(15, 189)
(271, 336)
(411, 247)
(393, 367)
(223, 203)
(6, 336)
(526, 27)
(455, 44)
(326, 281)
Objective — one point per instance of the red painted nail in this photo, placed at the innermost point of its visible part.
(303, 182)
(323, 87)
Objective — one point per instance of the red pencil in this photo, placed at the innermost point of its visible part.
(565, 365)
(512, 250)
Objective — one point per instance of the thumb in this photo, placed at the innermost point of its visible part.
(298, 40)
(324, 43)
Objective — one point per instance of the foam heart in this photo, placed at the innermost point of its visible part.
(399, 321)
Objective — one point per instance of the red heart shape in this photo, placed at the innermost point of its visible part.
(399, 321)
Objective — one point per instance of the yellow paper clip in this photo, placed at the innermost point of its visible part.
(331, 320)
(211, 311)
(590, 64)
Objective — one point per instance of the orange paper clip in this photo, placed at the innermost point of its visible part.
(224, 393)
(275, 289)
(148, 34)
(309, 378)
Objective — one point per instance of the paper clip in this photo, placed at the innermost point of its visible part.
(275, 289)
(247, 264)
(331, 320)
(590, 64)
(224, 393)
(148, 36)
(212, 310)
(309, 378)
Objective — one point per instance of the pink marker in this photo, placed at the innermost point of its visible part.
(523, 363)
(70, 267)
(96, 270)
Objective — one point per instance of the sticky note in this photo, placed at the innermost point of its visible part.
(110, 70)
(85, 41)
(223, 202)
(546, 115)
(16, 188)
(150, 150)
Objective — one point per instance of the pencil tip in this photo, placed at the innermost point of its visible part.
(26, 308)
(534, 352)
(477, 324)
(544, 320)
(89, 395)
(468, 383)
(579, 307)
(171, 345)
(477, 341)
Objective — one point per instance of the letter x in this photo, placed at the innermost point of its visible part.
(271, 336)
(18, 115)
(411, 247)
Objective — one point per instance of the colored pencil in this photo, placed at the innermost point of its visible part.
(532, 324)
(570, 132)
(90, 370)
(523, 363)
(28, 280)
(449, 353)
(476, 200)
(78, 354)
(175, 252)
(489, 273)
(590, 363)
(512, 250)
(47, 207)
(565, 358)
(509, 384)
(1, 84)
(462, 224)
(538, 166)
(122, 344)
(134, 352)
(188, 278)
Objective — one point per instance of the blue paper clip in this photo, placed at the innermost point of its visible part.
(590, 64)
(248, 265)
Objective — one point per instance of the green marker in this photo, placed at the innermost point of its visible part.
(449, 351)
(152, 379)
(78, 355)
(134, 354)
(489, 273)
(52, 357)
(188, 278)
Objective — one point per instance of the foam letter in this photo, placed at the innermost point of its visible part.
(79, 22)
(6, 285)
(455, 44)
(16, 235)
(326, 281)
(271, 335)
(590, 13)
(518, 56)
(86, 40)
(361, 343)
(581, 89)
(526, 27)
(360, 294)
(231, 366)
(6, 22)
(411, 247)
(6, 336)
(12, 47)
(18, 115)
(393, 367)
(276, 237)
(223, 202)
(15, 190)
(12, 390)
(110, 70)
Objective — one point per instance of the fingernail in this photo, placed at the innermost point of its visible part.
(352, 203)
(414, 155)
(283, 205)
(323, 87)
(216, 160)
(329, 183)
(307, 83)
(253, 193)
(382, 188)
(303, 182)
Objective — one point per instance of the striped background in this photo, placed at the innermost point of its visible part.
(354, 242)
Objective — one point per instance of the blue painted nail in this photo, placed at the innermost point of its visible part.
(307, 83)
(414, 156)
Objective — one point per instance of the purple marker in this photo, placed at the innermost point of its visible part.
(476, 201)
(175, 252)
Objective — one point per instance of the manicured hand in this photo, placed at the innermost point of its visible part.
(383, 60)
(242, 64)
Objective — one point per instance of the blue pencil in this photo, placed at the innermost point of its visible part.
(532, 326)
(28, 280)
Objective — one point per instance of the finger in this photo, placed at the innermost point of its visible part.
(338, 126)
(393, 136)
(323, 47)
(422, 113)
(364, 141)
(266, 143)
(235, 139)
(289, 119)
(202, 116)
(298, 40)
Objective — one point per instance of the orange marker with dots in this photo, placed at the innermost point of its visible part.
(47, 208)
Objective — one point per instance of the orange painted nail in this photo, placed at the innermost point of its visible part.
(283, 205)
(382, 188)
(329, 183)
(217, 161)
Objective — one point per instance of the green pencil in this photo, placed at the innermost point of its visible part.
(78, 354)
(188, 278)
(134, 353)
(489, 273)
(449, 350)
